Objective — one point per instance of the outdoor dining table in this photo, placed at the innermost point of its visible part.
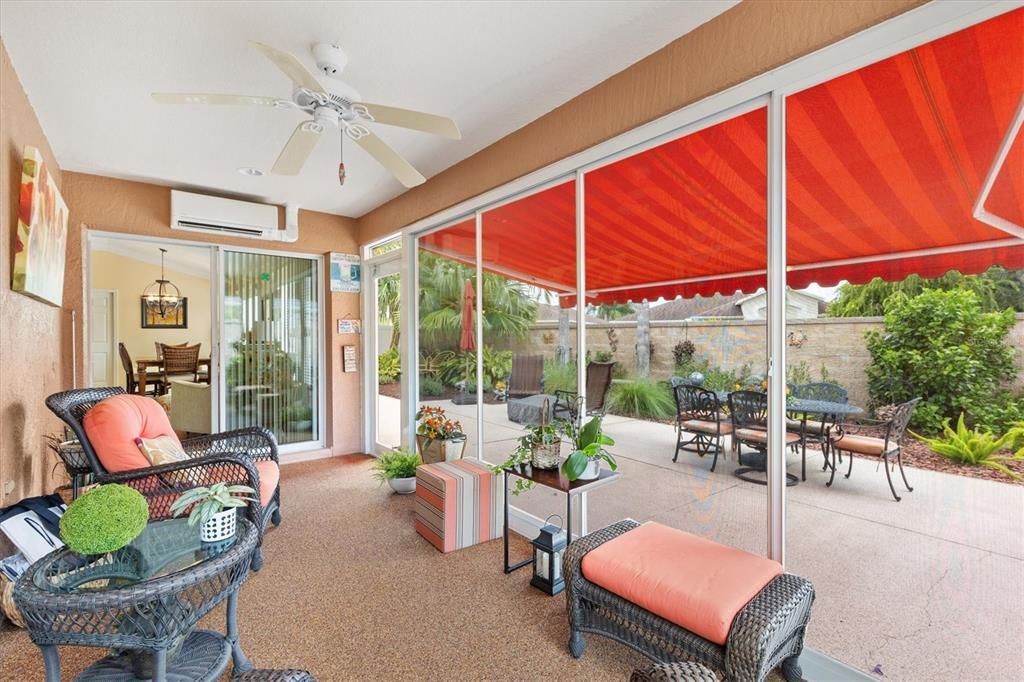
(803, 408)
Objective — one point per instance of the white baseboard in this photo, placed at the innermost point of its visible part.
(306, 456)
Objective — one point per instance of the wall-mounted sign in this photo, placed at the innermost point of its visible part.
(345, 272)
(349, 326)
(349, 361)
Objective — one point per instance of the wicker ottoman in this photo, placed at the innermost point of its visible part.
(266, 675)
(458, 504)
(684, 671)
(767, 632)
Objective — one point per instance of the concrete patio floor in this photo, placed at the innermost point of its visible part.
(927, 588)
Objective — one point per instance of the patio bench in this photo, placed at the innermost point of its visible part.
(675, 597)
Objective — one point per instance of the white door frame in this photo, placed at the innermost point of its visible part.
(115, 357)
(373, 268)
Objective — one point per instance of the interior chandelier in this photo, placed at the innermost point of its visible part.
(162, 296)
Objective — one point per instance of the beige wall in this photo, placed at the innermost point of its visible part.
(749, 39)
(836, 343)
(129, 277)
(140, 208)
(32, 359)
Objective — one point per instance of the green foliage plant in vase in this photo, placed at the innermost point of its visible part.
(438, 438)
(398, 468)
(584, 462)
(214, 508)
(105, 519)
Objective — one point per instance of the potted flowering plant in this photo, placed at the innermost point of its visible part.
(438, 438)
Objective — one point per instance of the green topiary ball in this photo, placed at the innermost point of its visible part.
(104, 519)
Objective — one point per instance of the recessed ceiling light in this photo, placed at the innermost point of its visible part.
(251, 172)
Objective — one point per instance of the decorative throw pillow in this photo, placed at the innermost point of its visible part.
(161, 450)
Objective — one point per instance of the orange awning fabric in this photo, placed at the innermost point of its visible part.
(884, 166)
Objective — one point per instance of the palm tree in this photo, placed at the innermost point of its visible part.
(508, 310)
(389, 304)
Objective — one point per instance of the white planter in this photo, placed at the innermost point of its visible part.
(403, 486)
(220, 527)
(592, 471)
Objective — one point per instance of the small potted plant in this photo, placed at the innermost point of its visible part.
(213, 508)
(438, 438)
(398, 468)
(584, 462)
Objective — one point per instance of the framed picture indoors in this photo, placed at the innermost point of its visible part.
(174, 319)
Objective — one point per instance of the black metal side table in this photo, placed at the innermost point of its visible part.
(143, 601)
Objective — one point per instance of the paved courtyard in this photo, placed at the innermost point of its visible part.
(928, 588)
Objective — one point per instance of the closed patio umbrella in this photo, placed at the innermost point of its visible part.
(467, 339)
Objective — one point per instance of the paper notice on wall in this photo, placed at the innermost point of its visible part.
(345, 273)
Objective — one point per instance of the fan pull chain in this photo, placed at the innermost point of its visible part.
(341, 158)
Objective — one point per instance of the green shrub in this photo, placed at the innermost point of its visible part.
(431, 387)
(977, 448)
(998, 413)
(603, 356)
(559, 377)
(104, 519)
(497, 365)
(396, 464)
(939, 345)
(389, 366)
(453, 367)
(641, 398)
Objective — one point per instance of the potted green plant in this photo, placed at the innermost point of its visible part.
(438, 438)
(584, 462)
(542, 444)
(213, 508)
(398, 468)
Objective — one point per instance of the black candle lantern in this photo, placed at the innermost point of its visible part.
(548, 548)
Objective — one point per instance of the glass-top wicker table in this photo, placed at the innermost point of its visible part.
(143, 601)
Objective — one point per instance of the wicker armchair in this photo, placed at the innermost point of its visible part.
(599, 380)
(699, 416)
(861, 437)
(228, 457)
(767, 632)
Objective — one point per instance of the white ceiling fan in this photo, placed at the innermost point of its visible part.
(332, 107)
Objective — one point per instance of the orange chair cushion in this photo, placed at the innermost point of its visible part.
(759, 436)
(707, 427)
(115, 422)
(695, 583)
(270, 474)
(862, 445)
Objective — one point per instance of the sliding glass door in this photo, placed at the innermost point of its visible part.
(270, 344)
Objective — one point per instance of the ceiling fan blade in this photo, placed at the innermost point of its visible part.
(416, 120)
(389, 158)
(300, 146)
(207, 98)
(291, 66)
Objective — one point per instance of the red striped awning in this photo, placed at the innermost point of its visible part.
(884, 166)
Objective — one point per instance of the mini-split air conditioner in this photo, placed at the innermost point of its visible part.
(226, 217)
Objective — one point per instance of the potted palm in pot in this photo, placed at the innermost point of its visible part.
(398, 468)
(438, 438)
(584, 462)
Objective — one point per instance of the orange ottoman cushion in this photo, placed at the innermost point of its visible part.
(695, 583)
(113, 425)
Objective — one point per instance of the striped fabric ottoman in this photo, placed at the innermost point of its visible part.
(458, 504)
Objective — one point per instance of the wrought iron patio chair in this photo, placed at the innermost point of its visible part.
(599, 380)
(230, 457)
(815, 431)
(527, 377)
(699, 415)
(749, 412)
(154, 381)
(850, 437)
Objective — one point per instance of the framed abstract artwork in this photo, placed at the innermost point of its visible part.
(174, 319)
(40, 242)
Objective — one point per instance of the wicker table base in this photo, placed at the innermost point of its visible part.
(203, 657)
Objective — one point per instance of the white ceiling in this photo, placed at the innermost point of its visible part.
(190, 260)
(89, 67)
